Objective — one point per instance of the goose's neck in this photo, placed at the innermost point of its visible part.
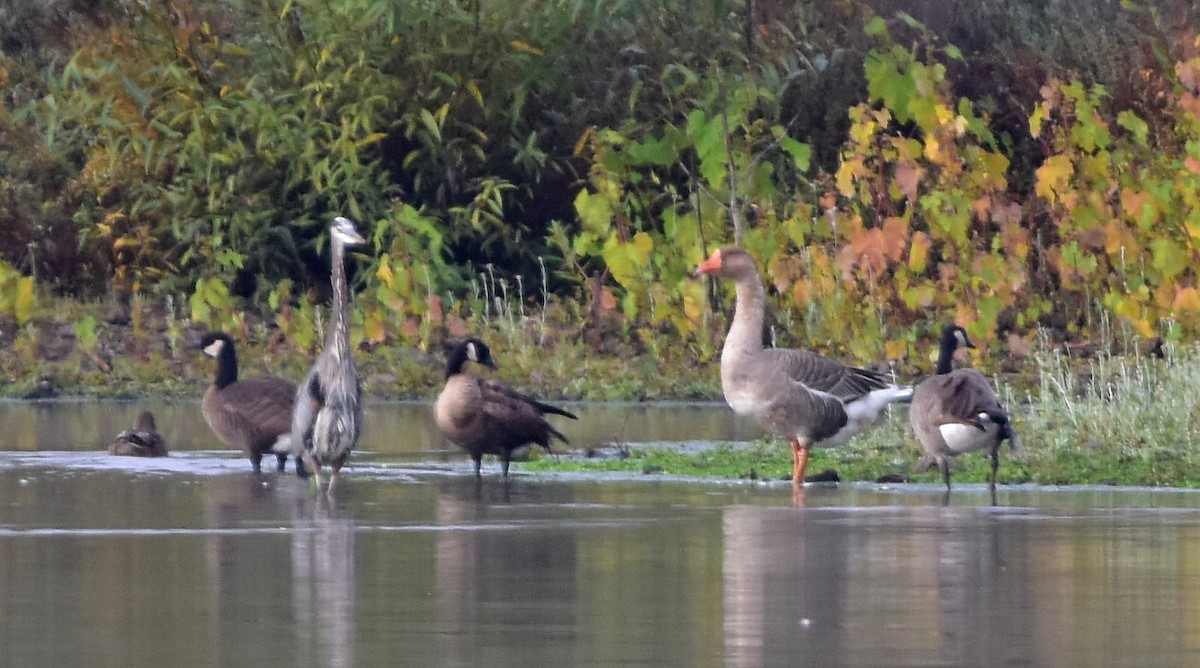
(227, 367)
(338, 338)
(745, 332)
(455, 361)
(946, 356)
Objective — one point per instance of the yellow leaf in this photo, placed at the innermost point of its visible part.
(583, 140)
(25, 301)
(384, 273)
(526, 47)
(473, 89)
(371, 139)
(374, 330)
(918, 253)
(1053, 177)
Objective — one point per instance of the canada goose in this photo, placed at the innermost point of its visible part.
(141, 441)
(252, 414)
(812, 400)
(956, 411)
(328, 417)
(488, 417)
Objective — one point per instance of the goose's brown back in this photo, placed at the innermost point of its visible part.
(250, 414)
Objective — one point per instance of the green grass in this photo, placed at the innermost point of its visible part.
(1109, 421)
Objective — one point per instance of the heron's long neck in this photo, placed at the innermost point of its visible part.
(338, 338)
(745, 332)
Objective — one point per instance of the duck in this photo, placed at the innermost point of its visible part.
(141, 441)
(251, 414)
(487, 417)
(327, 418)
(956, 411)
(810, 399)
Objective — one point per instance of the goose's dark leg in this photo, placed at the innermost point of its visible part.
(478, 457)
(944, 464)
(256, 461)
(504, 464)
(995, 455)
(280, 461)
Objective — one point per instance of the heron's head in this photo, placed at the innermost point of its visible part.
(344, 231)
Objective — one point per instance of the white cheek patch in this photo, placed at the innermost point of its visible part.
(213, 349)
(472, 353)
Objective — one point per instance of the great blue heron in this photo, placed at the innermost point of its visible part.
(141, 441)
(488, 417)
(328, 417)
(253, 414)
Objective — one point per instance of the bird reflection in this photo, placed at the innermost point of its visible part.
(323, 584)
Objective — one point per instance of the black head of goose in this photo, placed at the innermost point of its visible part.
(956, 411)
(486, 417)
(251, 414)
(141, 441)
(810, 399)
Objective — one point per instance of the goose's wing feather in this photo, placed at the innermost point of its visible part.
(263, 404)
(956, 397)
(496, 388)
(511, 414)
(820, 373)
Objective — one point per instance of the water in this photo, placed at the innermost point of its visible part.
(192, 560)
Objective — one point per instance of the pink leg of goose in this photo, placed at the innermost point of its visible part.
(799, 460)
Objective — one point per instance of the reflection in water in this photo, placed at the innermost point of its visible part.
(496, 581)
(323, 584)
(104, 564)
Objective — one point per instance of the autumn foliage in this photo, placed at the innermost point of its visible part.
(587, 155)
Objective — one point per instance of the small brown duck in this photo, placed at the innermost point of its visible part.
(486, 417)
(141, 441)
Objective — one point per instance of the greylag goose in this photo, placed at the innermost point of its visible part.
(488, 417)
(956, 411)
(809, 399)
(253, 414)
(328, 417)
(141, 441)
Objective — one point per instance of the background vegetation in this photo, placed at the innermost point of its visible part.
(550, 173)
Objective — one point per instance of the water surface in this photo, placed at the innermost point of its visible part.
(193, 560)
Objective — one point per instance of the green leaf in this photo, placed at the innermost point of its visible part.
(876, 27)
(431, 124)
(1170, 257)
(801, 152)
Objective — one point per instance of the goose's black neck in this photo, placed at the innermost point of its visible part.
(227, 366)
(946, 354)
(455, 360)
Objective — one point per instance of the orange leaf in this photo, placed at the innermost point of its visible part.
(1186, 299)
(908, 178)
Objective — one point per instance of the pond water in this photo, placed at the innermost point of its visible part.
(194, 560)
